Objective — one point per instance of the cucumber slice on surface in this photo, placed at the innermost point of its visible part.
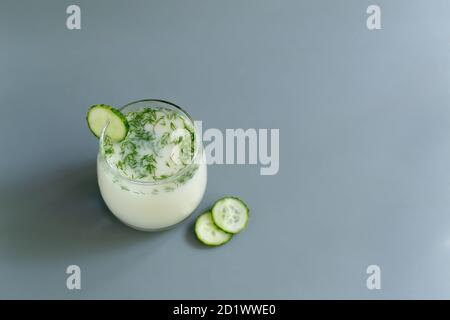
(99, 115)
(208, 233)
(230, 214)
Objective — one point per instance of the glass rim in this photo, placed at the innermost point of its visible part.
(172, 177)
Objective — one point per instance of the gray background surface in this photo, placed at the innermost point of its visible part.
(364, 121)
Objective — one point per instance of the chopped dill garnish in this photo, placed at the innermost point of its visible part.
(164, 140)
(149, 144)
(148, 162)
(130, 160)
(171, 115)
(119, 165)
(108, 146)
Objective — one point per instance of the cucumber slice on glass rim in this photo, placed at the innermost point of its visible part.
(208, 233)
(100, 115)
(230, 214)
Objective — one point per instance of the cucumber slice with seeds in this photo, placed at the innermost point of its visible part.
(100, 114)
(230, 214)
(208, 233)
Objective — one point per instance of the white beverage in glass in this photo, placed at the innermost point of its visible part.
(156, 177)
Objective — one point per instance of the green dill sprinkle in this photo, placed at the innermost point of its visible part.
(146, 154)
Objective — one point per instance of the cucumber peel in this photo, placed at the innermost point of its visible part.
(101, 115)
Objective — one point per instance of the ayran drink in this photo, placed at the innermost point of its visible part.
(156, 176)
